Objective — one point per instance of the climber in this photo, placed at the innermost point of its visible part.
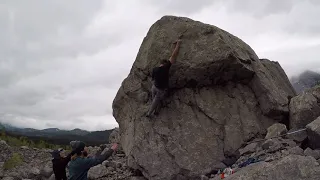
(80, 164)
(160, 78)
(59, 163)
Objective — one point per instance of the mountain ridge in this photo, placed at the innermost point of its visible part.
(305, 80)
(58, 136)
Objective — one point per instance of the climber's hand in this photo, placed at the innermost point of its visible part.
(114, 146)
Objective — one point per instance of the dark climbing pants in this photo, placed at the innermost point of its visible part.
(157, 96)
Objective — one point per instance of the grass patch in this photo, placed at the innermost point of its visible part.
(13, 162)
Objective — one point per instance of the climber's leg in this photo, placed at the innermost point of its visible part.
(156, 99)
(153, 92)
(162, 95)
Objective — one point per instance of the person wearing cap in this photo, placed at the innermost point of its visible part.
(59, 163)
(80, 164)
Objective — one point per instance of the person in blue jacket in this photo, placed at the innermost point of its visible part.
(80, 163)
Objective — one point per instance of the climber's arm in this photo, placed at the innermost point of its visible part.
(90, 162)
(175, 52)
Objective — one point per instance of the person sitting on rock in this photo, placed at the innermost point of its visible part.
(160, 78)
(59, 164)
(80, 164)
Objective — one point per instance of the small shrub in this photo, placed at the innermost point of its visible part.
(13, 162)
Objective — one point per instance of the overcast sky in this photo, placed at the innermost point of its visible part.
(62, 61)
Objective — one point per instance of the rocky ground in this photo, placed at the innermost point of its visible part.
(279, 158)
(36, 164)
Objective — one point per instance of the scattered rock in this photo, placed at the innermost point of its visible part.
(138, 178)
(249, 149)
(291, 167)
(313, 131)
(24, 147)
(259, 153)
(298, 136)
(276, 130)
(296, 151)
(304, 108)
(5, 151)
(33, 172)
(121, 155)
(111, 164)
(272, 145)
(46, 171)
(47, 150)
(114, 136)
(3, 143)
(1, 169)
(312, 153)
(288, 143)
(203, 177)
(97, 172)
(221, 96)
(8, 178)
(52, 177)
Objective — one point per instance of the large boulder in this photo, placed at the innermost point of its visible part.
(221, 95)
(313, 132)
(47, 170)
(275, 130)
(97, 172)
(305, 108)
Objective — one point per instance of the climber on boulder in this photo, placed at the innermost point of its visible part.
(80, 163)
(160, 78)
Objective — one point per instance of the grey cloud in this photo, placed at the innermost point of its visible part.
(260, 9)
(40, 45)
(46, 22)
(304, 20)
(180, 6)
(37, 31)
(62, 62)
(297, 60)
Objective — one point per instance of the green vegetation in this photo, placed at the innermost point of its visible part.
(23, 141)
(13, 162)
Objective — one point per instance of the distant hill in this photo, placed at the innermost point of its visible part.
(305, 80)
(57, 136)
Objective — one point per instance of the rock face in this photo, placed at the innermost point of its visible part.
(305, 108)
(221, 95)
(313, 131)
